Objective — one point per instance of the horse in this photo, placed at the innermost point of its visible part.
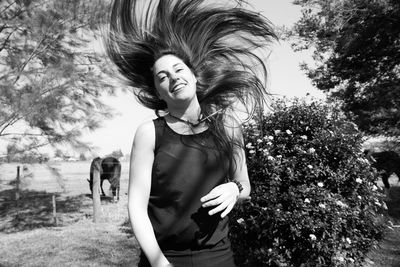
(386, 163)
(110, 169)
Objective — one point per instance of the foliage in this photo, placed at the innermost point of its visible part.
(116, 154)
(50, 80)
(313, 201)
(357, 55)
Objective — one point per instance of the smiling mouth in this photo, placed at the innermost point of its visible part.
(177, 87)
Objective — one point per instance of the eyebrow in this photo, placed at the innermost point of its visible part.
(163, 71)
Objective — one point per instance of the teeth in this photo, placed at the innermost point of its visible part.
(176, 87)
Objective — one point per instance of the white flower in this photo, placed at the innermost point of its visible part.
(259, 141)
(271, 158)
(311, 150)
(306, 200)
(359, 197)
(304, 137)
(340, 258)
(309, 166)
(322, 206)
(358, 180)
(276, 132)
(320, 184)
(252, 122)
(269, 143)
(249, 145)
(240, 221)
(288, 132)
(268, 137)
(313, 237)
(348, 240)
(341, 204)
(252, 151)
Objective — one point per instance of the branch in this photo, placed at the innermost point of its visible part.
(6, 41)
(20, 69)
(8, 122)
(7, 7)
(23, 134)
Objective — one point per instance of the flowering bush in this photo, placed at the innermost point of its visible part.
(313, 201)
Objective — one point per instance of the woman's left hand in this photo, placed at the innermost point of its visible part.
(223, 196)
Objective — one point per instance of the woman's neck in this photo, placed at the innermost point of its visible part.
(191, 112)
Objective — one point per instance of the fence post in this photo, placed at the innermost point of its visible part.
(17, 184)
(96, 191)
(54, 210)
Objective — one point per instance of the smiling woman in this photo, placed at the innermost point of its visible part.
(175, 82)
(187, 167)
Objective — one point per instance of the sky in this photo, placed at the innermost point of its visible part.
(285, 79)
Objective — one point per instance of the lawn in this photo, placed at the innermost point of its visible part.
(30, 237)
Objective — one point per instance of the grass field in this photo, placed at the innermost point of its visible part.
(30, 237)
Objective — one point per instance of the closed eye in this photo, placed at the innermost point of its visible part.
(162, 78)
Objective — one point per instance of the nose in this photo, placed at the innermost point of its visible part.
(174, 77)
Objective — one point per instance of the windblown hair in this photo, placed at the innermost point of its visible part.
(218, 43)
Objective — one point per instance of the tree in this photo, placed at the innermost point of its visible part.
(357, 55)
(116, 154)
(50, 78)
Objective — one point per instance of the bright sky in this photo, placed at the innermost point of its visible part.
(285, 78)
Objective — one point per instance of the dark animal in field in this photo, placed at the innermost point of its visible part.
(110, 169)
(386, 163)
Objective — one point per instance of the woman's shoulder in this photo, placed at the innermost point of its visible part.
(150, 124)
(145, 132)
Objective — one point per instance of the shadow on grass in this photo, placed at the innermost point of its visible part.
(393, 203)
(126, 228)
(34, 209)
(387, 254)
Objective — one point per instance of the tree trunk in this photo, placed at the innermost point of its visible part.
(96, 192)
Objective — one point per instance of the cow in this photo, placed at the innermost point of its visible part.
(386, 163)
(110, 169)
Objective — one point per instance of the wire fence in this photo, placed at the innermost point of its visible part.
(23, 205)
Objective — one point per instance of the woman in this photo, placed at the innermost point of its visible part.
(194, 63)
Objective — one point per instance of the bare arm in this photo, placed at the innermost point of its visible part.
(241, 174)
(141, 162)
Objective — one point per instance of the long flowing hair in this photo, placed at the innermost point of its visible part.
(220, 44)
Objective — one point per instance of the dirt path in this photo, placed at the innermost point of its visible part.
(387, 253)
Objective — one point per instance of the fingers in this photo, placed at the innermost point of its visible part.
(225, 206)
(223, 197)
(214, 193)
(227, 210)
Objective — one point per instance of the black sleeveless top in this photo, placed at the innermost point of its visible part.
(185, 168)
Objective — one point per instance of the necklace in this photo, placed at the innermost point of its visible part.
(192, 124)
(199, 120)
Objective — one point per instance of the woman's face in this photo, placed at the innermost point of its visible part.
(174, 80)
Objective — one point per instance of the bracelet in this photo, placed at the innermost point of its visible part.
(239, 185)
